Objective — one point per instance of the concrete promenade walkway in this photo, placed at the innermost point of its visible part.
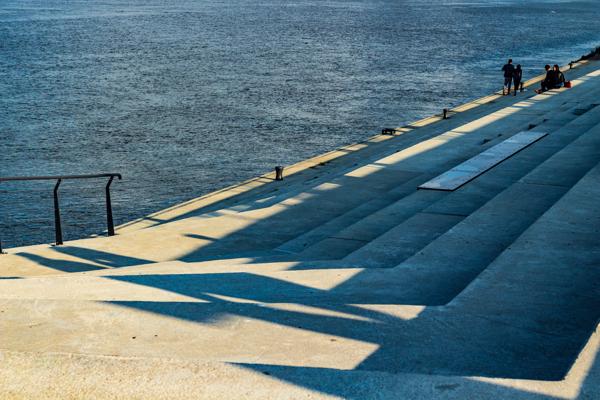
(343, 280)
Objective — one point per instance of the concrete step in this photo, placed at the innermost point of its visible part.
(345, 193)
(369, 228)
(334, 225)
(450, 206)
(449, 264)
(542, 293)
(528, 314)
(56, 376)
(404, 240)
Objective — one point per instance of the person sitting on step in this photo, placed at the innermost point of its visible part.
(559, 77)
(549, 81)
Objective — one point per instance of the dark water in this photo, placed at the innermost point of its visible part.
(190, 96)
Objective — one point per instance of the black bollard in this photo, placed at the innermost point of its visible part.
(278, 173)
(521, 87)
(571, 65)
(445, 113)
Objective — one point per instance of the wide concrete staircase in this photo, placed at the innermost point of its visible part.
(346, 272)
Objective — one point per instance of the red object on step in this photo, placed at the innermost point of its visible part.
(568, 84)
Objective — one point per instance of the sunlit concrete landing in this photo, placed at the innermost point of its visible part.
(342, 281)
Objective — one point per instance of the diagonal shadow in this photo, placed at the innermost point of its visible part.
(583, 383)
(107, 259)
(354, 385)
(60, 264)
(452, 340)
(97, 259)
(317, 206)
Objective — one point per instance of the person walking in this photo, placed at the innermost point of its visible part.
(517, 76)
(508, 70)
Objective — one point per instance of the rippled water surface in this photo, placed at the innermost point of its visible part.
(187, 97)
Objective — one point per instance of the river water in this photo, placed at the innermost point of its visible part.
(187, 97)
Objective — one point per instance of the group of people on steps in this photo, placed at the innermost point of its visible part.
(554, 79)
(513, 76)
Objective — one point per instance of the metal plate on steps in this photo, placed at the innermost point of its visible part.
(473, 167)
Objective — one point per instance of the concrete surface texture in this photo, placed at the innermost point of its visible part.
(341, 281)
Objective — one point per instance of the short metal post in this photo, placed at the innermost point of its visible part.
(521, 87)
(445, 113)
(109, 216)
(278, 173)
(571, 65)
(1, 252)
(57, 226)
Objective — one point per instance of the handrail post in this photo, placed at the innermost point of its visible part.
(1, 252)
(59, 179)
(109, 216)
(57, 226)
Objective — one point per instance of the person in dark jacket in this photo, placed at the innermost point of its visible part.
(559, 77)
(508, 70)
(548, 81)
(517, 76)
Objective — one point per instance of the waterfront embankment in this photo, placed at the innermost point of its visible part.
(344, 280)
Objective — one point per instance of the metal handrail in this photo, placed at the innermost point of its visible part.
(59, 179)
